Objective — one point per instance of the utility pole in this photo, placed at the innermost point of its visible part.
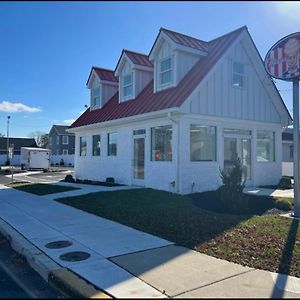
(7, 137)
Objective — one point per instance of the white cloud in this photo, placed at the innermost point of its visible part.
(7, 106)
(291, 10)
(69, 121)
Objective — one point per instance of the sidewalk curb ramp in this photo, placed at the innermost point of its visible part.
(62, 279)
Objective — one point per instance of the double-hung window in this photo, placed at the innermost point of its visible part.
(65, 152)
(238, 74)
(265, 146)
(96, 145)
(165, 72)
(161, 143)
(202, 143)
(112, 144)
(127, 86)
(95, 97)
(65, 140)
(82, 146)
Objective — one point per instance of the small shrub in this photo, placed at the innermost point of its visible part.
(285, 183)
(61, 163)
(45, 170)
(56, 164)
(70, 164)
(110, 180)
(7, 163)
(69, 178)
(283, 204)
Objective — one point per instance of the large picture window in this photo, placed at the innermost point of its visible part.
(112, 144)
(82, 146)
(161, 143)
(165, 75)
(265, 147)
(96, 145)
(202, 143)
(127, 85)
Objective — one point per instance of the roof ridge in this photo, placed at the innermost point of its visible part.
(162, 28)
(231, 32)
(126, 50)
(105, 69)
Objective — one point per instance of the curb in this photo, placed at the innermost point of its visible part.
(63, 280)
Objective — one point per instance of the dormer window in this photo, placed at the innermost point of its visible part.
(127, 86)
(165, 74)
(238, 74)
(95, 98)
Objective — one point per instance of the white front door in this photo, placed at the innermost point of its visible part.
(138, 157)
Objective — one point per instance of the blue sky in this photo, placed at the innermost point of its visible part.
(48, 48)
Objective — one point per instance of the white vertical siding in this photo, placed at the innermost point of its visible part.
(142, 78)
(216, 96)
(184, 63)
(107, 91)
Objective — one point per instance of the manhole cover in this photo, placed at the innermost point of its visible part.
(58, 244)
(75, 256)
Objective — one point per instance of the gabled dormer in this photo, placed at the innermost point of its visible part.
(103, 85)
(173, 54)
(134, 71)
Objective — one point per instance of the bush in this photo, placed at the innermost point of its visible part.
(285, 183)
(231, 193)
(283, 204)
(69, 178)
(7, 163)
(61, 163)
(110, 180)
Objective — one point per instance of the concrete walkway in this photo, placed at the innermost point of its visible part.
(128, 263)
(269, 192)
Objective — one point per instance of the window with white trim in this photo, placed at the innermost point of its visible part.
(65, 152)
(161, 143)
(65, 140)
(165, 71)
(112, 144)
(265, 146)
(95, 97)
(202, 143)
(238, 74)
(127, 86)
(96, 145)
(82, 146)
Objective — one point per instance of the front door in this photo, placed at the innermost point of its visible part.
(138, 158)
(240, 147)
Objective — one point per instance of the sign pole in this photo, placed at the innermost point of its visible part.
(296, 146)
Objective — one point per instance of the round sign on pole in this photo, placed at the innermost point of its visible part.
(283, 59)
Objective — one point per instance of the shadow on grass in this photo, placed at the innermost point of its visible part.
(286, 260)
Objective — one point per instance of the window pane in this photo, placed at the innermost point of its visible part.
(96, 145)
(82, 146)
(237, 80)
(165, 77)
(203, 143)
(265, 147)
(95, 97)
(65, 139)
(128, 90)
(165, 65)
(139, 131)
(127, 80)
(161, 143)
(238, 68)
(236, 131)
(112, 144)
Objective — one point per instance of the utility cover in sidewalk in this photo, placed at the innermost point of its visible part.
(58, 244)
(75, 256)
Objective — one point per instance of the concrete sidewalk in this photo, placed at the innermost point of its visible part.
(125, 262)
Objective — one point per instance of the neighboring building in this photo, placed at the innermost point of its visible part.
(171, 119)
(18, 143)
(62, 145)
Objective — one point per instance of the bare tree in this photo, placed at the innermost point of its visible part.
(41, 138)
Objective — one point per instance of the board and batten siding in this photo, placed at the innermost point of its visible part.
(142, 78)
(184, 62)
(107, 91)
(216, 96)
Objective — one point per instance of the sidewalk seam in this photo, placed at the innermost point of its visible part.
(208, 284)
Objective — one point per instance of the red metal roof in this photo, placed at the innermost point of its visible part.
(104, 74)
(138, 58)
(186, 40)
(148, 101)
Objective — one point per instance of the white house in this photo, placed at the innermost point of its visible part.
(171, 119)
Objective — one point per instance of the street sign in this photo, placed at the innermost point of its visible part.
(283, 62)
(283, 59)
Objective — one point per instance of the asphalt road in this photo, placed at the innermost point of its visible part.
(18, 279)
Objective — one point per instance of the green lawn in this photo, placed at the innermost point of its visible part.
(40, 188)
(268, 242)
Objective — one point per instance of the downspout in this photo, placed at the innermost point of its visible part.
(178, 152)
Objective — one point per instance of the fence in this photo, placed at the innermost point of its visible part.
(16, 159)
